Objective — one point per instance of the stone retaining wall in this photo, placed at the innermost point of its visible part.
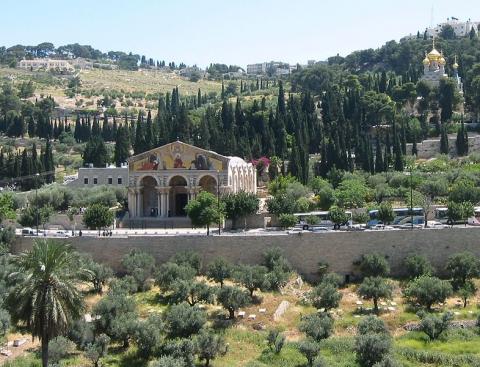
(304, 251)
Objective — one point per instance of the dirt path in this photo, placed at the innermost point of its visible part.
(25, 348)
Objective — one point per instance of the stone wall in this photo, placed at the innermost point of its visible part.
(431, 147)
(304, 251)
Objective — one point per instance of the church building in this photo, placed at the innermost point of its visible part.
(163, 180)
(434, 68)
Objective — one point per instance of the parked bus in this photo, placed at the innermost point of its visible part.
(311, 220)
(402, 217)
(441, 215)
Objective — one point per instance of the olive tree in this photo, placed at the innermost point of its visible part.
(141, 266)
(98, 216)
(374, 265)
(219, 270)
(98, 349)
(192, 292)
(462, 267)
(317, 326)
(205, 210)
(434, 325)
(428, 290)
(416, 265)
(209, 346)
(232, 298)
(373, 341)
(183, 321)
(385, 213)
(252, 277)
(325, 295)
(309, 349)
(240, 205)
(338, 216)
(375, 288)
(170, 272)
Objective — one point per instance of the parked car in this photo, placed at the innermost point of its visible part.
(61, 234)
(28, 232)
(436, 224)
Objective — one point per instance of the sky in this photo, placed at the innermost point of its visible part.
(231, 32)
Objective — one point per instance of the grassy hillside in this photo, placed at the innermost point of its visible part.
(96, 81)
(148, 81)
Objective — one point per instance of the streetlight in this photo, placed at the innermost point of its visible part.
(36, 200)
(218, 201)
(410, 173)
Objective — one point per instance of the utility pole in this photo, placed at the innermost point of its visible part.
(218, 203)
(411, 195)
(36, 200)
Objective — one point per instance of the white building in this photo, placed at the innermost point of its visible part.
(257, 69)
(461, 29)
(47, 64)
(108, 176)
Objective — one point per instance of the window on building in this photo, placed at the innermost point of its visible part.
(119, 180)
(95, 180)
(110, 180)
(85, 181)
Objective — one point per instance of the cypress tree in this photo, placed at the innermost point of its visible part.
(397, 152)
(462, 140)
(199, 98)
(444, 149)
(295, 166)
(149, 133)
(48, 164)
(122, 146)
(96, 127)
(281, 109)
(465, 138)
(414, 145)
(379, 164)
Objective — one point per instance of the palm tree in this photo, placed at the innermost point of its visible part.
(47, 298)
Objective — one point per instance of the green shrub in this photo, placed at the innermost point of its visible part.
(287, 220)
(317, 326)
(182, 320)
(59, 348)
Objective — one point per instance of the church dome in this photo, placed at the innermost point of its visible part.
(426, 61)
(442, 60)
(434, 55)
(455, 65)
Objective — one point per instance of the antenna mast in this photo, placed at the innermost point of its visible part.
(431, 16)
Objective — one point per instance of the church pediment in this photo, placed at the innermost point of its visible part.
(177, 155)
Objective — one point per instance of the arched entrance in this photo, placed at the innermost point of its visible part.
(149, 197)
(208, 183)
(178, 196)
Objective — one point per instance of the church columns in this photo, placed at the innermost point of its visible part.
(162, 199)
(159, 202)
(139, 202)
(131, 202)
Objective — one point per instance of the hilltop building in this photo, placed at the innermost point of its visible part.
(47, 64)
(434, 68)
(461, 29)
(271, 68)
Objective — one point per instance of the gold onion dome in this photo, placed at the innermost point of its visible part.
(434, 55)
(442, 60)
(455, 65)
(426, 61)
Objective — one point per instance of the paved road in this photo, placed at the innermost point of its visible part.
(55, 233)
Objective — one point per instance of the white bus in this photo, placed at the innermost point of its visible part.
(441, 215)
(402, 216)
(321, 219)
